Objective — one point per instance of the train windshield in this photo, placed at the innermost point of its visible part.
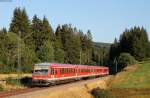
(40, 70)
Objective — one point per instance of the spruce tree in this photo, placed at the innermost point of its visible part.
(41, 34)
(59, 52)
(20, 23)
(47, 30)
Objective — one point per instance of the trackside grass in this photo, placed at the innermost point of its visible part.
(132, 82)
(136, 76)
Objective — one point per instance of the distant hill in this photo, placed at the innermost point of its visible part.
(101, 44)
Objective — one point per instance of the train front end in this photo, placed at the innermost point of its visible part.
(40, 74)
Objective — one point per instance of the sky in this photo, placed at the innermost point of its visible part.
(106, 19)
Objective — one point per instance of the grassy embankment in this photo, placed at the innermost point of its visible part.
(132, 82)
(12, 82)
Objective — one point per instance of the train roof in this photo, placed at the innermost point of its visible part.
(69, 65)
(50, 64)
(42, 64)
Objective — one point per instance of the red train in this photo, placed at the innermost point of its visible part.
(48, 73)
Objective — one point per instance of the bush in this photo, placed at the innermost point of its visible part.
(126, 59)
(26, 81)
(12, 81)
(1, 88)
(101, 93)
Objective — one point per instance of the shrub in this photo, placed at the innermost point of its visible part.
(26, 81)
(12, 81)
(1, 88)
(126, 59)
(101, 93)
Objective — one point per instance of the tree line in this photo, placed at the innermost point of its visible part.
(133, 45)
(36, 41)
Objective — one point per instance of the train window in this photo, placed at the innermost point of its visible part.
(68, 70)
(60, 71)
(55, 71)
(63, 70)
(41, 71)
(52, 71)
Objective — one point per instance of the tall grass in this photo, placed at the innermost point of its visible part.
(1, 88)
(136, 78)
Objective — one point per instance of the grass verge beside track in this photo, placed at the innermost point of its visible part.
(132, 82)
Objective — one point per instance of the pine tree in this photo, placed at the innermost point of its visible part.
(20, 23)
(47, 52)
(76, 47)
(114, 50)
(41, 34)
(59, 52)
(47, 29)
(89, 46)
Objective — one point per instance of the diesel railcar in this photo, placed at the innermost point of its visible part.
(50, 73)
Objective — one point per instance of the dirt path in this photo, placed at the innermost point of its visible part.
(79, 89)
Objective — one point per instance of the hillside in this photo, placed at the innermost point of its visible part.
(101, 44)
(132, 82)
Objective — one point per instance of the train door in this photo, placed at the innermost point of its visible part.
(55, 72)
(76, 71)
(52, 72)
(58, 72)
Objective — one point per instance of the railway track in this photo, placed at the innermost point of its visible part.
(4, 94)
(15, 92)
(18, 91)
